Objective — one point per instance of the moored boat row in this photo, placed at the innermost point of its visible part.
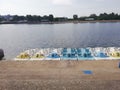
(98, 53)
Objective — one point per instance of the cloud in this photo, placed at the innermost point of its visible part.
(62, 2)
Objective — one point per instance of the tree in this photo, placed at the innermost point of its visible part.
(103, 16)
(35, 18)
(51, 18)
(119, 17)
(39, 18)
(82, 18)
(93, 16)
(18, 18)
(75, 17)
(0, 19)
(29, 18)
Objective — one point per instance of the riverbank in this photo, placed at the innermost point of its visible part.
(59, 75)
(93, 21)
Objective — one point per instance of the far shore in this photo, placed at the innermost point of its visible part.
(59, 22)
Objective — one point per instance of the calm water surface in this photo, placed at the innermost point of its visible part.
(16, 38)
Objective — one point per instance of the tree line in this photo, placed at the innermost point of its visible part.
(51, 18)
(31, 18)
(103, 16)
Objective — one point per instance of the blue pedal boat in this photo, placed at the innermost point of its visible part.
(84, 54)
(68, 54)
(53, 56)
(101, 55)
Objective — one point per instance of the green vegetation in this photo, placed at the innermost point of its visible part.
(102, 16)
(50, 18)
(34, 18)
(0, 19)
(75, 17)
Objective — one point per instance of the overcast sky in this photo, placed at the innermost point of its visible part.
(58, 7)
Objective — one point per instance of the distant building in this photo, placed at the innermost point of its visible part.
(89, 19)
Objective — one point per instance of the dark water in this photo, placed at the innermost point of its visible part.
(16, 38)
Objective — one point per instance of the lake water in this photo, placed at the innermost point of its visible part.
(14, 38)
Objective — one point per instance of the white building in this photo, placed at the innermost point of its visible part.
(89, 19)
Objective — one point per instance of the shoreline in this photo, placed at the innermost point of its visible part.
(59, 75)
(95, 21)
(99, 68)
